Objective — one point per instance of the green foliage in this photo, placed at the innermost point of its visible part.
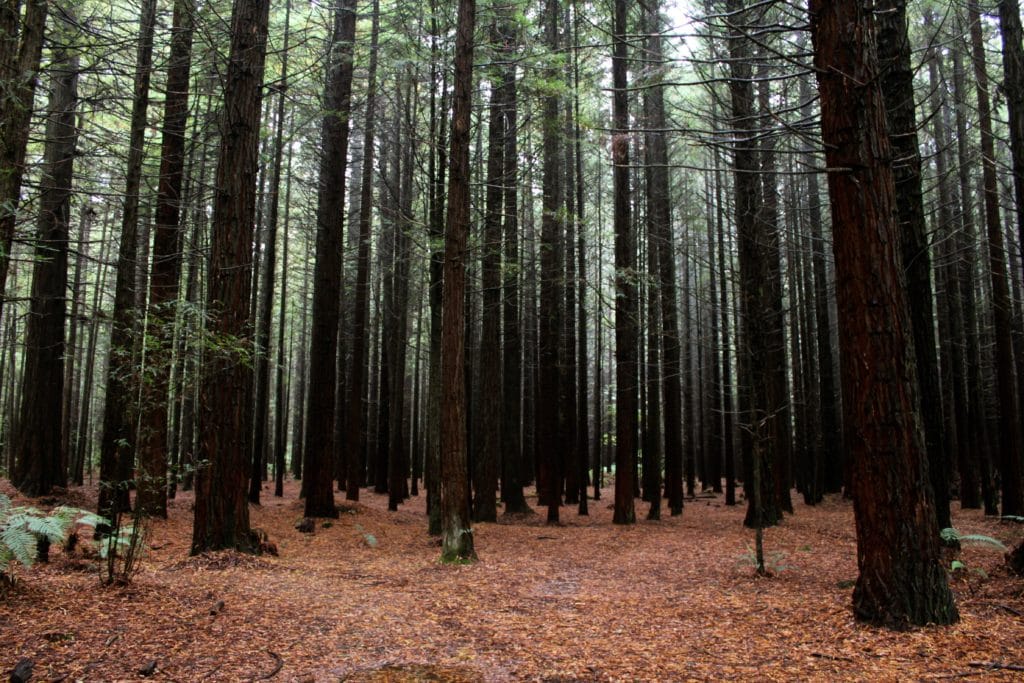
(950, 534)
(121, 549)
(369, 538)
(21, 527)
(774, 562)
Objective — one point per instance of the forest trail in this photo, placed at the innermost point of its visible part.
(365, 599)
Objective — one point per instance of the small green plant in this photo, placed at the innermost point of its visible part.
(121, 549)
(370, 539)
(774, 562)
(960, 566)
(23, 527)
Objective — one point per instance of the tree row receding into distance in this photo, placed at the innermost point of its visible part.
(461, 249)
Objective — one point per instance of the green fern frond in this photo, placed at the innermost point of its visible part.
(20, 542)
(52, 528)
(980, 539)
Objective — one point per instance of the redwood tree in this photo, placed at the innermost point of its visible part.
(318, 473)
(626, 299)
(221, 508)
(456, 535)
(901, 581)
(40, 464)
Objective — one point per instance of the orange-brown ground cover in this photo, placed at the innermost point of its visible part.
(667, 601)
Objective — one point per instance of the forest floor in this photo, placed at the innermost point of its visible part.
(365, 599)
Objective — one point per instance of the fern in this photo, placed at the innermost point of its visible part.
(21, 527)
(951, 534)
(18, 544)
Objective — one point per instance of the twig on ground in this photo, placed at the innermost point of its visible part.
(278, 664)
(996, 666)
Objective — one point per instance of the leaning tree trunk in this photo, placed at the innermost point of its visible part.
(901, 581)
(221, 508)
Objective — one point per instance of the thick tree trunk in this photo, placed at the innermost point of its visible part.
(435, 233)
(901, 581)
(457, 537)
(221, 509)
(626, 301)
(548, 409)
(118, 446)
(40, 464)
(318, 471)
(898, 91)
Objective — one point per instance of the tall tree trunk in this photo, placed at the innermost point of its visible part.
(582, 441)
(357, 385)
(756, 294)
(167, 248)
(626, 301)
(660, 220)
(1013, 86)
(40, 464)
(17, 92)
(457, 538)
(282, 386)
(973, 470)
(221, 509)
(901, 581)
(435, 229)
(1010, 439)
(511, 427)
(261, 422)
(548, 409)
(119, 417)
(898, 91)
(828, 448)
(318, 472)
(780, 429)
(485, 472)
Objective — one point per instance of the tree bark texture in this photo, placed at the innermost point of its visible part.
(40, 464)
(901, 582)
(221, 508)
(456, 534)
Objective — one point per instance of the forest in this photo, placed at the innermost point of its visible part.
(401, 340)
